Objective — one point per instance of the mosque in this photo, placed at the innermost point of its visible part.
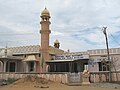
(46, 58)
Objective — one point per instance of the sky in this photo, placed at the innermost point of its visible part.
(77, 24)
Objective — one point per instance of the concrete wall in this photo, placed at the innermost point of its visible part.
(96, 77)
(56, 77)
(64, 78)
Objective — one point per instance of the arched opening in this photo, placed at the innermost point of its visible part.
(31, 65)
(1, 66)
(48, 68)
(10, 66)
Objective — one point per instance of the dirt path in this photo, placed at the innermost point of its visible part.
(64, 87)
(37, 83)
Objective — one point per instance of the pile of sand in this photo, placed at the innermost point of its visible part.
(31, 81)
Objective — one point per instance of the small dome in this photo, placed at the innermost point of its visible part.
(5, 52)
(56, 41)
(45, 12)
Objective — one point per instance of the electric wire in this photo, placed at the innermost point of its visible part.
(114, 39)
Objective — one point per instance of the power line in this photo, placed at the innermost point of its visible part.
(114, 39)
(17, 34)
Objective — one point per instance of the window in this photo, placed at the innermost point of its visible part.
(55, 67)
(85, 66)
(104, 66)
(39, 55)
(25, 55)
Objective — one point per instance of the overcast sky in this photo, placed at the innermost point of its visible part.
(77, 24)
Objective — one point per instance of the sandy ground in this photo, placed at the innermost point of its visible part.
(63, 87)
(35, 83)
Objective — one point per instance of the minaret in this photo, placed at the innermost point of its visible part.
(45, 31)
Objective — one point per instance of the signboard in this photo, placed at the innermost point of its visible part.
(92, 63)
(74, 56)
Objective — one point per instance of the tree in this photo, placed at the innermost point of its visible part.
(42, 62)
(115, 65)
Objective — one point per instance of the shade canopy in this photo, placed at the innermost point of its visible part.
(64, 60)
(30, 58)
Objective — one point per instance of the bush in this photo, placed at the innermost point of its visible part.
(11, 80)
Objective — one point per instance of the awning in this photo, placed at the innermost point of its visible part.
(64, 60)
(30, 58)
(59, 61)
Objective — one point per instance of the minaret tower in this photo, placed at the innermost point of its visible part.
(45, 31)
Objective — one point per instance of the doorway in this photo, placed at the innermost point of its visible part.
(12, 67)
(31, 66)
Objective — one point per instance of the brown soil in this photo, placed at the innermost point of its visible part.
(57, 88)
(34, 81)
(37, 83)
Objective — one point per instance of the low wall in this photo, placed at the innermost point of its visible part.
(96, 77)
(67, 78)
(57, 77)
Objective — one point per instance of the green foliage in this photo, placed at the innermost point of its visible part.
(11, 80)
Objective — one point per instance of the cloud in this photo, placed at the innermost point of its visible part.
(77, 24)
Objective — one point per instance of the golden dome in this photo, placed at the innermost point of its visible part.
(45, 12)
(56, 41)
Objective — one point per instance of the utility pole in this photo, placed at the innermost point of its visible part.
(108, 55)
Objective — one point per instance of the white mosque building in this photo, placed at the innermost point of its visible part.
(30, 58)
